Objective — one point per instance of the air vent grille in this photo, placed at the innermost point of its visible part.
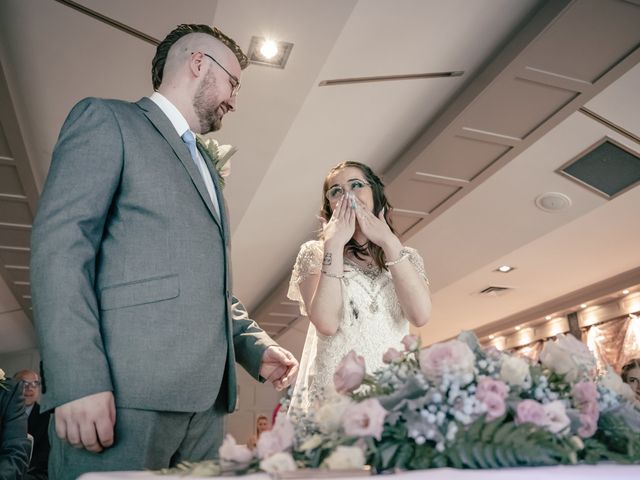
(609, 169)
(494, 291)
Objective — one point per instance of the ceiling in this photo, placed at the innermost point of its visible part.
(463, 157)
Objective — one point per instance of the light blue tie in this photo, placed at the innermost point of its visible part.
(190, 140)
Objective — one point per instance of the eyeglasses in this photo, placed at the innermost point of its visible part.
(337, 191)
(235, 82)
(34, 384)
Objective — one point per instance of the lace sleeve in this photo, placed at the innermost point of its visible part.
(418, 263)
(309, 262)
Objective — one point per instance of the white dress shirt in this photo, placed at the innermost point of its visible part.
(180, 124)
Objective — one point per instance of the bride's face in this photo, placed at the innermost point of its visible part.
(349, 179)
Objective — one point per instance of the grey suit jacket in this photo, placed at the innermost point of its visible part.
(130, 272)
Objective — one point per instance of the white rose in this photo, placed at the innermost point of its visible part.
(311, 443)
(557, 419)
(2, 375)
(515, 371)
(329, 415)
(567, 356)
(613, 382)
(231, 451)
(344, 458)
(278, 462)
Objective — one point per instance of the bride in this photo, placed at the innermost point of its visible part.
(357, 284)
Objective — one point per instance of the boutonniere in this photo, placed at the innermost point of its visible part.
(3, 378)
(219, 155)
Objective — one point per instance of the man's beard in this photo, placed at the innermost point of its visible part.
(207, 116)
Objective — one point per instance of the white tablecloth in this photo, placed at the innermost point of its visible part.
(577, 472)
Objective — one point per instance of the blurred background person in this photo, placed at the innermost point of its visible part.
(630, 374)
(262, 425)
(37, 426)
(15, 446)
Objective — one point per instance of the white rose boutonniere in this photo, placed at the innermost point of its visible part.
(219, 155)
(3, 378)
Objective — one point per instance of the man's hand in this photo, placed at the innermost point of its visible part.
(278, 366)
(87, 422)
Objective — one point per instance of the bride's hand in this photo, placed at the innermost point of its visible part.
(342, 224)
(374, 228)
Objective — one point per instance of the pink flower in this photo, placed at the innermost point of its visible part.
(530, 411)
(588, 425)
(584, 393)
(364, 419)
(495, 405)
(391, 356)
(232, 452)
(349, 373)
(452, 357)
(411, 343)
(489, 385)
(278, 439)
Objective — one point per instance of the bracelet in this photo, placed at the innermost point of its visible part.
(403, 255)
(333, 275)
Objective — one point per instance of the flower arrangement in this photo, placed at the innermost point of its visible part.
(455, 404)
(219, 155)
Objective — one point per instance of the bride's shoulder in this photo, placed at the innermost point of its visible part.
(311, 248)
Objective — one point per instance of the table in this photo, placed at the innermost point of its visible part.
(561, 472)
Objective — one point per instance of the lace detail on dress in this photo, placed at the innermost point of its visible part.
(308, 262)
(416, 260)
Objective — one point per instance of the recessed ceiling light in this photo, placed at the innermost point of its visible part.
(518, 327)
(583, 305)
(548, 317)
(625, 292)
(504, 269)
(268, 52)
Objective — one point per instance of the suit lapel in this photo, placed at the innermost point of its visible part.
(215, 176)
(168, 132)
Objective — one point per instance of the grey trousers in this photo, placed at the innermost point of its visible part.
(143, 440)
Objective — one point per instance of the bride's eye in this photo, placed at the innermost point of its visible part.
(357, 184)
(334, 193)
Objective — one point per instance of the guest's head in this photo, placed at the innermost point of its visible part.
(30, 381)
(198, 69)
(262, 424)
(368, 188)
(630, 374)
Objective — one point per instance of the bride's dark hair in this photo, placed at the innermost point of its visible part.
(379, 202)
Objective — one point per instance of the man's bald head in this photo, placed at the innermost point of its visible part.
(187, 39)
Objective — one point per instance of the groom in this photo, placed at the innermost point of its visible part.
(131, 275)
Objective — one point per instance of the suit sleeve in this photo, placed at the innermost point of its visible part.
(83, 179)
(249, 340)
(14, 444)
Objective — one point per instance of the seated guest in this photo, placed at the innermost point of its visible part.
(14, 444)
(262, 425)
(630, 374)
(38, 425)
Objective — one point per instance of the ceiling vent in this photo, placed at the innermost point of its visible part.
(494, 291)
(608, 168)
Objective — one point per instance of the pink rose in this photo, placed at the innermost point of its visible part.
(411, 343)
(495, 405)
(584, 393)
(364, 419)
(349, 373)
(588, 425)
(278, 439)
(453, 357)
(530, 411)
(489, 385)
(232, 452)
(391, 356)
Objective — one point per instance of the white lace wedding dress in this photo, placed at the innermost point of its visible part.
(372, 321)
